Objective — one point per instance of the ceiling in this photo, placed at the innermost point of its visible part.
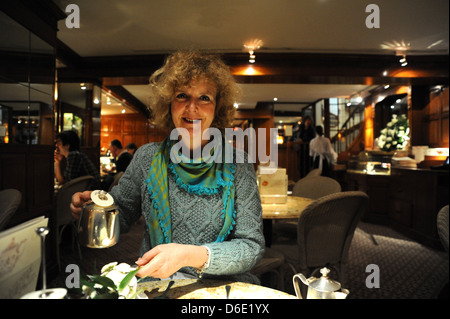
(144, 27)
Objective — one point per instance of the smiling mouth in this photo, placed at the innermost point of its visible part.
(191, 121)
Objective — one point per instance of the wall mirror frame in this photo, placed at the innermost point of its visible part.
(27, 87)
(27, 80)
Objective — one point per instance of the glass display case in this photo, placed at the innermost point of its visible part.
(371, 163)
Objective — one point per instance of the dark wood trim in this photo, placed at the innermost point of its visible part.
(131, 99)
(40, 17)
(283, 68)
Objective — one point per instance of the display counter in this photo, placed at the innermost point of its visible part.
(408, 199)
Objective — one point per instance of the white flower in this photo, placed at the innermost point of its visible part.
(108, 267)
(389, 124)
(117, 272)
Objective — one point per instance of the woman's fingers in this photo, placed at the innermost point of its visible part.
(78, 200)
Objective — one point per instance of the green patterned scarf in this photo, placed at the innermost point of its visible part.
(201, 178)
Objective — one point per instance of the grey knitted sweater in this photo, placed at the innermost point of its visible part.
(196, 219)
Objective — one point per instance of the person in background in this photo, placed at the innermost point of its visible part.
(121, 160)
(203, 217)
(305, 132)
(301, 138)
(322, 153)
(67, 145)
(131, 148)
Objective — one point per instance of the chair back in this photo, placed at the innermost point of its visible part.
(314, 172)
(442, 226)
(64, 198)
(315, 187)
(116, 180)
(325, 230)
(20, 258)
(9, 202)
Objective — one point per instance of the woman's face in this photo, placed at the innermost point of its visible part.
(62, 149)
(194, 105)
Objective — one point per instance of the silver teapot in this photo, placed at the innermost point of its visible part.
(320, 288)
(98, 226)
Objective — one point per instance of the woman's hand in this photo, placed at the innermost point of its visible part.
(166, 259)
(78, 200)
(57, 157)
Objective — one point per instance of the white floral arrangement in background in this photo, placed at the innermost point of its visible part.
(116, 281)
(396, 135)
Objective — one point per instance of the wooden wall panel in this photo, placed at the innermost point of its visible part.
(29, 169)
(128, 128)
(435, 119)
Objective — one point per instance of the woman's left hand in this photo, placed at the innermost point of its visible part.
(164, 260)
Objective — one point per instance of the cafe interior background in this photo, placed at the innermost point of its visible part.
(332, 60)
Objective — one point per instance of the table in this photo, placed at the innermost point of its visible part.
(292, 209)
(210, 289)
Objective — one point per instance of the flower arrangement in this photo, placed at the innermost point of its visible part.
(396, 135)
(116, 281)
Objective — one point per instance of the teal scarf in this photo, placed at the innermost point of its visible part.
(202, 178)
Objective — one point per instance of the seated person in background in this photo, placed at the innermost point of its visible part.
(202, 218)
(121, 159)
(322, 152)
(131, 148)
(78, 164)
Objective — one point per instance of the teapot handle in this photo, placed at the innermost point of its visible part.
(296, 286)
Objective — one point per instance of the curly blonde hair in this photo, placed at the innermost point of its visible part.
(179, 70)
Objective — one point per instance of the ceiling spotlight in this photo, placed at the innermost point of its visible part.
(403, 61)
(251, 46)
(83, 86)
(275, 99)
(236, 105)
(123, 110)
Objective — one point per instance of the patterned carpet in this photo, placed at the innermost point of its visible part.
(408, 270)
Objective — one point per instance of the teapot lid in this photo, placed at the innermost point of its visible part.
(102, 198)
(324, 283)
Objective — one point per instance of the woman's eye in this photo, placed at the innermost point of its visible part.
(181, 96)
(205, 98)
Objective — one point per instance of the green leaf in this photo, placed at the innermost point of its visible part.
(108, 295)
(126, 280)
(102, 280)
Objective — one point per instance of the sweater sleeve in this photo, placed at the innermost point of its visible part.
(127, 193)
(245, 245)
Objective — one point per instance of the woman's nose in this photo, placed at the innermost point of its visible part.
(192, 105)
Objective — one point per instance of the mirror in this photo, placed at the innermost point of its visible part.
(26, 86)
(79, 107)
(392, 104)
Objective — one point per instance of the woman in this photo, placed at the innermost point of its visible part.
(202, 218)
